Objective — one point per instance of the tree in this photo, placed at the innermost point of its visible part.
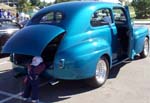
(35, 2)
(24, 6)
(141, 7)
(43, 4)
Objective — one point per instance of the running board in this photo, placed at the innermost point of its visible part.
(120, 62)
(53, 82)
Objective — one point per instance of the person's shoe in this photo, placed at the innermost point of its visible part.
(35, 101)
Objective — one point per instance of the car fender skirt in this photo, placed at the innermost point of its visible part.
(32, 40)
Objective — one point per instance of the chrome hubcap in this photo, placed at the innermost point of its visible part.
(101, 71)
(146, 47)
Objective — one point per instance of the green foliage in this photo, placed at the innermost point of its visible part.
(142, 8)
(23, 5)
(35, 2)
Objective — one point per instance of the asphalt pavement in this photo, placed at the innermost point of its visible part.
(128, 83)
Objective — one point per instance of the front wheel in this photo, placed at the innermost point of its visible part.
(145, 51)
(101, 73)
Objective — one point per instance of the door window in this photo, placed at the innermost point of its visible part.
(119, 16)
(101, 17)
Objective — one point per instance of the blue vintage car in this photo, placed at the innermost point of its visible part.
(79, 40)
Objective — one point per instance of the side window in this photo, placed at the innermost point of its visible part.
(119, 16)
(101, 17)
(59, 17)
(48, 18)
(52, 17)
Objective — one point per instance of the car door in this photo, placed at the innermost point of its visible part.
(131, 39)
(103, 24)
(124, 29)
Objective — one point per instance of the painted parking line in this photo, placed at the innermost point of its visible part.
(9, 98)
(16, 96)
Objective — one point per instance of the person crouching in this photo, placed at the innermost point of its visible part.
(32, 79)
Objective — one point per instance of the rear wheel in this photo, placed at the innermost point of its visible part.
(101, 73)
(145, 51)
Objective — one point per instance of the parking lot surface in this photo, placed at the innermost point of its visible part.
(128, 83)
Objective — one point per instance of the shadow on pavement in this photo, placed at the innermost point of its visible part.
(115, 71)
(48, 94)
(8, 83)
(62, 91)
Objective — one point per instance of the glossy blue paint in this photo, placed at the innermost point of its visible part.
(32, 40)
(131, 36)
(139, 35)
(82, 44)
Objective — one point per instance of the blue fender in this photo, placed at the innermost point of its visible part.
(81, 58)
(139, 36)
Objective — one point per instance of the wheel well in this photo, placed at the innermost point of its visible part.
(108, 58)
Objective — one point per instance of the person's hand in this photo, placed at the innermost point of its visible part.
(25, 80)
(29, 66)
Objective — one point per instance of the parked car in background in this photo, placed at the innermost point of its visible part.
(7, 29)
(79, 40)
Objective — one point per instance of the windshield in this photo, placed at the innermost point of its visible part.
(48, 18)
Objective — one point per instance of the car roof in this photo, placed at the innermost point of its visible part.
(84, 4)
(75, 12)
(76, 6)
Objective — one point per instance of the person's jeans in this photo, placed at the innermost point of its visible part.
(32, 88)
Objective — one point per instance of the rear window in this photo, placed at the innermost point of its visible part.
(49, 18)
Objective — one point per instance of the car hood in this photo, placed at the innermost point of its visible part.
(32, 40)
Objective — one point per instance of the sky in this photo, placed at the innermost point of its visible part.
(48, 1)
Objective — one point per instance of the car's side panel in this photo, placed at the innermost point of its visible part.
(114, 42)
(81, 53)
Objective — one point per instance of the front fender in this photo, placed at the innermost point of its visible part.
(80, 59)
(139, 35)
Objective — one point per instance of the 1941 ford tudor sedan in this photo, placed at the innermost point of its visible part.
(79, 40)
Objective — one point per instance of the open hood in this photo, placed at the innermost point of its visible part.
(32, 40)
